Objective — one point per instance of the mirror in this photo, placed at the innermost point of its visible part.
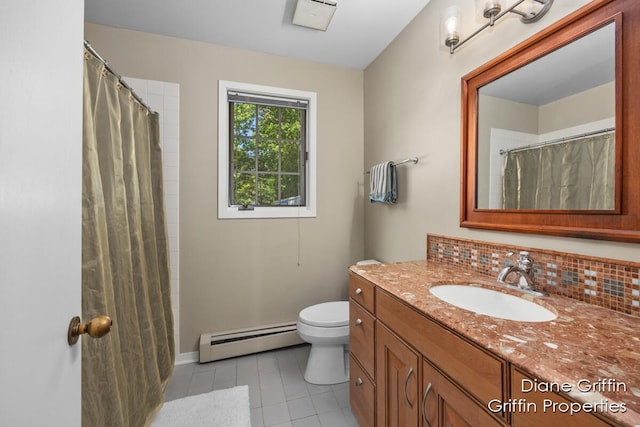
(546, 131)
(568, 87)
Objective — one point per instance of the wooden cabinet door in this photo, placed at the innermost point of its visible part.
(398, 381)
(534, 414)
(445, 405)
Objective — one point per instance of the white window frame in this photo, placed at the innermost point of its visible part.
(225, 211)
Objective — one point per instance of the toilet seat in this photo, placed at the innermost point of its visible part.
(326, 315)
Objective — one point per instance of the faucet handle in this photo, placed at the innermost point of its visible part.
(508, 255)
(525, 261)
(524, 255)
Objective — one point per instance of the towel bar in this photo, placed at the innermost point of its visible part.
(414, 160)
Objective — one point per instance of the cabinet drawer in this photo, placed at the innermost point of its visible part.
(477, 371)
(362, 394)
(362, 291)
(362, 336)
(535, 414)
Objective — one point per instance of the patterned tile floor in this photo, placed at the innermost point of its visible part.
(279, 395)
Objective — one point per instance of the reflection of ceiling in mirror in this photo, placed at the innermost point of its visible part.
(583, 64)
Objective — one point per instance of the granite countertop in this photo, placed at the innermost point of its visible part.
(595, 350)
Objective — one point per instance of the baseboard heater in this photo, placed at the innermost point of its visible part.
(222, 345)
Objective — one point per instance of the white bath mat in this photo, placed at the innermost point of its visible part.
(219, 408)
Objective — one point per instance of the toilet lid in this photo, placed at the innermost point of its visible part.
(327, 314)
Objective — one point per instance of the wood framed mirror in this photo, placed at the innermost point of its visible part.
(578, 151)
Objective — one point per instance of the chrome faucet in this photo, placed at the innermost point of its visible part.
(524, 271)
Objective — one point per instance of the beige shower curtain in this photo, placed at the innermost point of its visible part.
(125, 270)
(572, 175)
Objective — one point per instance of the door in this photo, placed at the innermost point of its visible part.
(398, 381)
(546, 417)
(445, 404)
(40, 211)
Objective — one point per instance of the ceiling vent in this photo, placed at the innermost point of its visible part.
(314, 14)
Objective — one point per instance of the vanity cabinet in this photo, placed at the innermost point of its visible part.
(362, 326)
(409, 370)
(456, 381)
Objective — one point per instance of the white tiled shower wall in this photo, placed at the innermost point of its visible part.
(164, 98)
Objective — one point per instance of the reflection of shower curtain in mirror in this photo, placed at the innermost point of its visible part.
(125, 270)
(572, 175)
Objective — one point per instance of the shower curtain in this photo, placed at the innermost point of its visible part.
(572, 175)
(125, 270)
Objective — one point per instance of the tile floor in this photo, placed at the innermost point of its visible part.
(278, 393)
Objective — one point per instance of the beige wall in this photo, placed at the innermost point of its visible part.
(584, 107)
(412, 107)
(241, 273)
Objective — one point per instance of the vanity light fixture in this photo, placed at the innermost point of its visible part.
(530, 11)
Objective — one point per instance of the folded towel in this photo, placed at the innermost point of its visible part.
(382, 183)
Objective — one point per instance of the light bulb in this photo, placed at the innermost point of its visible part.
(450, 26)
(489, 8)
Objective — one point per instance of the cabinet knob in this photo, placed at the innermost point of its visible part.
(359, 381)
(358, 322)
(358, 291)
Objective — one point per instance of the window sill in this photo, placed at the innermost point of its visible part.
(232, 212)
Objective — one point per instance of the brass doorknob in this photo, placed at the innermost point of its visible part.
(98, 327)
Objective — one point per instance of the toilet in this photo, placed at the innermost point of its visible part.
(326, 327)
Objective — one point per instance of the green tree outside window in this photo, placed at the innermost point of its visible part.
(267, 155)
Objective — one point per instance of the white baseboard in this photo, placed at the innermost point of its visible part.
(184, 358)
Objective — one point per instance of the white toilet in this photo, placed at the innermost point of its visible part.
(326, 327)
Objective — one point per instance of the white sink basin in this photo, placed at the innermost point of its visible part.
(492, 303)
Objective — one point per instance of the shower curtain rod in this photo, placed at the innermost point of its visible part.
(557, 141)
(90, 48)
(414, 160)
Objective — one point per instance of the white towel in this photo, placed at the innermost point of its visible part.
(382, 183)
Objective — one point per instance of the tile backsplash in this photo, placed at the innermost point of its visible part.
(608, 283)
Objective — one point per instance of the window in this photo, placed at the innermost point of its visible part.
(266, 152)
